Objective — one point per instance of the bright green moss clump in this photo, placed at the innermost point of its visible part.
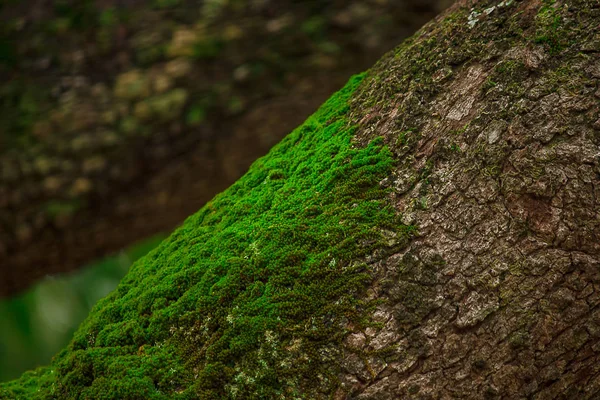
(250, 297)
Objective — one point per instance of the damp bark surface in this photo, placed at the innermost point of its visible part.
(432, 232)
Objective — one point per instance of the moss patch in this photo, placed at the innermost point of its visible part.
(250, 297)
(549, 29)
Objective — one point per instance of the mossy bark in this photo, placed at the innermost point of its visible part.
(432, 232)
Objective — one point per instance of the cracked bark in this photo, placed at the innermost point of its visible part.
(498, 296)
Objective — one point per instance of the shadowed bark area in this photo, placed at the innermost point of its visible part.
(432, 232)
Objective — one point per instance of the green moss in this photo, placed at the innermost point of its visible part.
(507, 78)
(249, 298)
(407, 137)
(519, 339)
(565, 77)
(550, 29)
(493, 170)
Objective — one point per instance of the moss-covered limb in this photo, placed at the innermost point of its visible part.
(100, 97)
(251, 296)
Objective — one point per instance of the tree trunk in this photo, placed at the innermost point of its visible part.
(432, 232)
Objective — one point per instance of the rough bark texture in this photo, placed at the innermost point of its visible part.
(121, 118)
(492, 114)
(432, 232)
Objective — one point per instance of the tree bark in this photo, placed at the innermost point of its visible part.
(432, 232)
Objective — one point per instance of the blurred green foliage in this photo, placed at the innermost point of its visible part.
(38, 323)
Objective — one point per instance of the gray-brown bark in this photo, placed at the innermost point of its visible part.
(492, 113)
